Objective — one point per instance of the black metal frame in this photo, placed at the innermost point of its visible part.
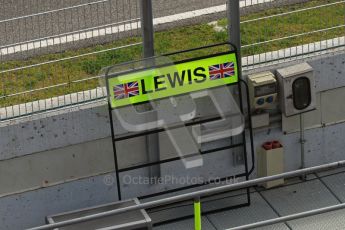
(245, 174)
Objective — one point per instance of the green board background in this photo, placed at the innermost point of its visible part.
(149, 74)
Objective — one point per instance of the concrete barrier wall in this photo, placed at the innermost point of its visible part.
(63, 160)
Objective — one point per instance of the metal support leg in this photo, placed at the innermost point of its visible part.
(152, 140)
(234, 27)
(197, 214)
(147, 27)
(233, 12)
(302, 141)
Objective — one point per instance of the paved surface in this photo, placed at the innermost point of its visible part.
(318, 191)
(98, 14)
(86, 16)
(33, 27)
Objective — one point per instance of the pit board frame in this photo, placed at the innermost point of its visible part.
(239, 84)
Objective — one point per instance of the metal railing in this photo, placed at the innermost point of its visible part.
(288, 33)
(206, 192)
(37, 43)
(40, 42)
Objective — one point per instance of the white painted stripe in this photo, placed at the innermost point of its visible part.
(69, 38)
(94, 33)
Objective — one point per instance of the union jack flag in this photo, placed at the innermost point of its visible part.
(221, 70)
(126, 90)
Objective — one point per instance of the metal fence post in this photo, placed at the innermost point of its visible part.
(147, 27)
(234, 28)
(152, 140)
(234, 33)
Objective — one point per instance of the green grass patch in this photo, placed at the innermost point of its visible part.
(166, 41)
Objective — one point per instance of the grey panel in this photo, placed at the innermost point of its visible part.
(299, 197)
(186, 225)
(130, 152)
(56, 166)
(334, 144)
(29, 209)
(331, 220)
(314, 151)
(312, 119)
(56, 129)
(332, 104)
(329, 71)
(337, 184)
(259, 210)
(324, 145)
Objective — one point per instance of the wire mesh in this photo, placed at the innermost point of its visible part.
(292, 29)
(51, 52)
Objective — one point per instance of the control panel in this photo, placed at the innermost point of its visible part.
(262, 90)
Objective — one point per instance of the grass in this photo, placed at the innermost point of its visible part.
(166, 41)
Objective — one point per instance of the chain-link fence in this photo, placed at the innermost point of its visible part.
(51, 52)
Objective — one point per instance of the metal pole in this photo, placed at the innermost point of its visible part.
(147, 27)
(234, 28)
(290, 217)
(152, 140)
(193, 195)
(302, 140)
(234, 33)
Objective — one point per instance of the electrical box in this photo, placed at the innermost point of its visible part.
(297, 89)
(260, 120)
(262, 90)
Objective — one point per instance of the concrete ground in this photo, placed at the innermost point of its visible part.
(320, 190)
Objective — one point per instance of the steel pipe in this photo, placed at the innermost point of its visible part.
(193, 195)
